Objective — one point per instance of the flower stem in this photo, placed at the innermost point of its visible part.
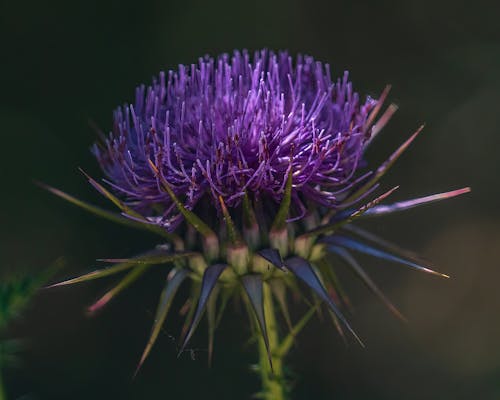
(273, 381)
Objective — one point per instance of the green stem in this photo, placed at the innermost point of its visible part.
(273, 381)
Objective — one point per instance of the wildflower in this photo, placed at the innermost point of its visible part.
(252, 170)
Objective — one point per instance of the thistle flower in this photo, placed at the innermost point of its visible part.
(252, 170)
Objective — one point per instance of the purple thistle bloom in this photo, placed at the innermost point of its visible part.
(236, 125)
(261, 158)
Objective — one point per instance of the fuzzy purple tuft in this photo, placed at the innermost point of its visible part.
(234, 125)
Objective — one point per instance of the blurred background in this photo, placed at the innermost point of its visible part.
(65, 65)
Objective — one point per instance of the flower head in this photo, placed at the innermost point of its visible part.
(251, 168)
(238, 125)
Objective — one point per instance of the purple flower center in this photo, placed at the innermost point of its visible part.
(235, 125)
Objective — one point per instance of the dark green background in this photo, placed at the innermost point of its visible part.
(63, 63)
